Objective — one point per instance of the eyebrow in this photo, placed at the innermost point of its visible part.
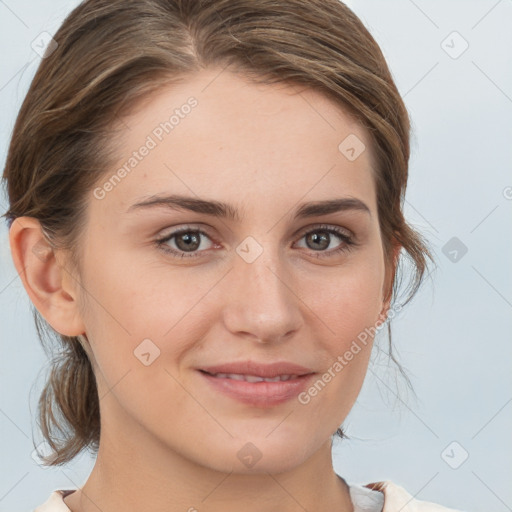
(227, 211)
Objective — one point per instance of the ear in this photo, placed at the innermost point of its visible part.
(387, 291)
(50, 286)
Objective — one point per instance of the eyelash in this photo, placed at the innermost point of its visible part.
(347, 245)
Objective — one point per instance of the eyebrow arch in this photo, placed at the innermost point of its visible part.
(227, 211)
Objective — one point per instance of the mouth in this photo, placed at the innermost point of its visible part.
(256, 390)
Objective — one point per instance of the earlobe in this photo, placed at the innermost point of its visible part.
(48, 283)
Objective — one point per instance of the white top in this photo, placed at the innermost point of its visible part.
(385, 497)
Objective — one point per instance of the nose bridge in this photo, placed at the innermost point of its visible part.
(260, 300)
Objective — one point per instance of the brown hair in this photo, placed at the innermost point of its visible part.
(113, 53)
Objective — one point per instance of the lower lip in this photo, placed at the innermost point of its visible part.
(259, 394)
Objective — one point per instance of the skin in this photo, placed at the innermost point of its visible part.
(168, 438)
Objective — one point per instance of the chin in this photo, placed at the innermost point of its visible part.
(263, 453)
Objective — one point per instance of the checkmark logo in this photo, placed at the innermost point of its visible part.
(454, 45)
(351, 147)
(249, 249)
(44, 45)
(454, 455)
(454, 249)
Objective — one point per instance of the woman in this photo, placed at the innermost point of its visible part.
(205, 201)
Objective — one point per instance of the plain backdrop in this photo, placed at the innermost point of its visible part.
(452, 62)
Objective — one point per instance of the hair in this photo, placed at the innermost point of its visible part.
(110, 56)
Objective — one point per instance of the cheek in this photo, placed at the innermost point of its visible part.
(137, 296)
(331, 396)
(134, 310)
(346, 309)
(349, 299)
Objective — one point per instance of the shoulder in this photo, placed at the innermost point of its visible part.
(55, 503)
(395, 498)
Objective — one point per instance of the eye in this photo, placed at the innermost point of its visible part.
(320, 238)
(187, 241)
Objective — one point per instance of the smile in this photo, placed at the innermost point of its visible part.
(257, 391)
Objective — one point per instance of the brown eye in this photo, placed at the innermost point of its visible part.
(319, 239)
(186, 241)
(318, 242)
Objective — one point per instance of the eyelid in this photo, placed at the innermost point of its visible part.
(180, 228)
(325, 226)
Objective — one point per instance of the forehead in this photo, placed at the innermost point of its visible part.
(219, 135)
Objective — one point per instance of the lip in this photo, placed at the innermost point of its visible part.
(258, 394)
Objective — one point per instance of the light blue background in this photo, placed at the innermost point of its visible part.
(453, 339)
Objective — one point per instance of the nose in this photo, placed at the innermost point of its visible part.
(261, 302)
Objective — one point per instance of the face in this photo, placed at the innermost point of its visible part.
(263, 275)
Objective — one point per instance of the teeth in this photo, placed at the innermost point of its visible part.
(251, 378)
(254, 378)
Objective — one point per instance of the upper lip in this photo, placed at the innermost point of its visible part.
(266, 370)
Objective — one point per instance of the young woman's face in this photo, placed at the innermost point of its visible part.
(264, 278)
